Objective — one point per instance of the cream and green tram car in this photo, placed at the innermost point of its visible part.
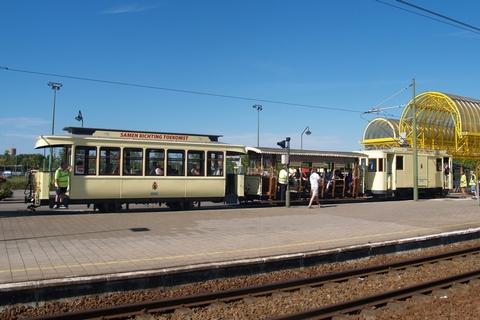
(111, 167)
(389, 173)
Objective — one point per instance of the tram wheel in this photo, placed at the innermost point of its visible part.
(174, 205)
(110, 206)
(187, 205)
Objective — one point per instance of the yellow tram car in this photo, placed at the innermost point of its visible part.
(389, 172)
(111, 167)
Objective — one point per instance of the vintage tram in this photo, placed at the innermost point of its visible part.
(111, 167)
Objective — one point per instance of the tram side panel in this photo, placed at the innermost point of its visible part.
(390, 173)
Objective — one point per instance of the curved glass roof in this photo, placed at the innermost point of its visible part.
(380, 128)
(381, 132)
(444, 121)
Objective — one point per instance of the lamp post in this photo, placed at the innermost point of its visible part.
(415, 149)
(285, 144)
(259, 108)
(79, 117)
(307, 132)
(55, 87)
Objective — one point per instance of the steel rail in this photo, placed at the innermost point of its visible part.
(328, 312)
(167, 305)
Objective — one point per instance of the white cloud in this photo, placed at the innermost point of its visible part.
(128, 8)
(23, 122)
(18, 136)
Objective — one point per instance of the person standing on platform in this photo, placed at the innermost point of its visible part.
(314, 183)
(282, 183)
(62, 181)
(463, 182)
(473, 183)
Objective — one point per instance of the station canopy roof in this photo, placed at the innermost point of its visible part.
(308, 155)
(381, 132)
(444, 122)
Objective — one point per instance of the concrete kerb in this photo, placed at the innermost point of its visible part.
(52, 289)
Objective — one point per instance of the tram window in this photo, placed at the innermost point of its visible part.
(195, 163)
(132, 162)
(110, 161)
(175, 163)
(215, 163)
(399, 162)
(380, 165)
(155, 162)
(372, 165)
(85, 161)
(439, 164)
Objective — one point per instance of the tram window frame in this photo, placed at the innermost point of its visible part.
(372, 165)
(173, 161)
(439, 164)
(380, 164)
(200, 162)
(399, 162)
(86, 164)
(105, 162)
(150, 161)
(218, 158)
(132, 165)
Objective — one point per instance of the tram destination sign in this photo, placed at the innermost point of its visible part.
(174, 137)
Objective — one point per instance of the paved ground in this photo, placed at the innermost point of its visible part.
(58, 244)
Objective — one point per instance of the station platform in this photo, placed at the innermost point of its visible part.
(64, 246)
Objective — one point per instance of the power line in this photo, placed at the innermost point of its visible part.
(427, 16)
(203, 93)
(439, 15)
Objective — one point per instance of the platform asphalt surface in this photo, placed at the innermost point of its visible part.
(64, 244)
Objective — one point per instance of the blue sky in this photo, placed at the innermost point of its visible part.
(349, 54)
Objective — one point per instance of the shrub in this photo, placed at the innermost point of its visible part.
(5, 188)
(17, 182)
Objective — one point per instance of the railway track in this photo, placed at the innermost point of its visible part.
(354, 306)
(202, 300)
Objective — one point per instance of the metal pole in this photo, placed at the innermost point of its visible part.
(50, 160)
(415, 150)
(55, 87)
(287, 196)
(258, 127)
(259, 108)
(53, 113)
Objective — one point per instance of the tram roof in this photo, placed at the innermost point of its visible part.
(306, 153)
(120, 133)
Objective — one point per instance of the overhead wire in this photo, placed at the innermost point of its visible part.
(379, 111)
(196, 92)
(439, 15)
(429, 17)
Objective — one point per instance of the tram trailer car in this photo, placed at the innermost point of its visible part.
(389, 173)
(111, 167)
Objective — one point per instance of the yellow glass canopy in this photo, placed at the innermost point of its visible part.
(444, 122)
(381, 133)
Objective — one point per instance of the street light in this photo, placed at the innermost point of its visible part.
(307, 132)
(415, 148)
(285, 144)
(55, 87)
(79, 117)
(259, 108)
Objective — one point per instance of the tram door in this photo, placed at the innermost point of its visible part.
(422, 170)
(390, 170)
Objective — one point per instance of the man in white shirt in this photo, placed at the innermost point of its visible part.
(314, 182)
